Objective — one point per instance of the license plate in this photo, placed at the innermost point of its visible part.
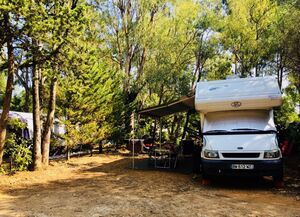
(242, 166)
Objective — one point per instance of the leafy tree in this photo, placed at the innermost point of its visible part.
(293, 48)
(85, 100)
(247, 32)
(42, 31)
(150, 46)
(92, 63)
(7, 35)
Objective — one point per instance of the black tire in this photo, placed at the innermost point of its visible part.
(204, 175)
(278, 177)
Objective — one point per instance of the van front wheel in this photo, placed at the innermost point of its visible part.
(278, 181)
(205, 179)
(277, 178)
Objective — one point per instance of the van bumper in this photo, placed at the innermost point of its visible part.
(261, 167)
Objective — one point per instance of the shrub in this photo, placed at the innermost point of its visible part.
(17, 148)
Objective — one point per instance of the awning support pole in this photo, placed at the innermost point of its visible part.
(160, 131)
(133, 129)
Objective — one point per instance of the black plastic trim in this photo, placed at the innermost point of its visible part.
(261, 167)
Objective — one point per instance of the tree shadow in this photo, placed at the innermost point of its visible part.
(95, 184)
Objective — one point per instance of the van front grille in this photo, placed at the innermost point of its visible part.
(240, 155)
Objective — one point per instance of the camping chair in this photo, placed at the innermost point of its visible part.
(163, 156)
(174, 151)
(147, 145)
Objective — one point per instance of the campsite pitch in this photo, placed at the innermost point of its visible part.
(106, 186)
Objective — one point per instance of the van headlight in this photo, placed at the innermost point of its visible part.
(210, 154)
(272, 154)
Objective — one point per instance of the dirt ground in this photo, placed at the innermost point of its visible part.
(106, 186)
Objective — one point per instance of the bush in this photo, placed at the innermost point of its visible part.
(16, 147)
(293, 135)
(19, 152)
(2, 171)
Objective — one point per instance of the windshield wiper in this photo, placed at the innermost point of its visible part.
(252, 130)
(247, 129)
(238, 131)
(215, 132)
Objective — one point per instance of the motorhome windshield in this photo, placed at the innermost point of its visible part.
(250, 121)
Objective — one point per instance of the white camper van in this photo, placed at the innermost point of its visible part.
(239, 134)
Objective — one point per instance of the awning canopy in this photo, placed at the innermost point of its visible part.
(184, 104)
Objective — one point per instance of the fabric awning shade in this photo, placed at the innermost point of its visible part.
(184, 104)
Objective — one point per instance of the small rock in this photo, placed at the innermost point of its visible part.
(78, 210)
(294, 185)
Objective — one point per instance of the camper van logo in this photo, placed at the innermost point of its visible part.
(236, 104)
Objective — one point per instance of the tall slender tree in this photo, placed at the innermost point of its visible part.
(10, 79)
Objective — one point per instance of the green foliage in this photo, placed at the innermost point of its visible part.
(2, 87)
(293, 135)
(18, 102)
(16, 124)
(247, 32)
(19, 153)
(85, 99)
(17, 148)
(286, 114)
(2, 83)
(115, 57)
(218, 68)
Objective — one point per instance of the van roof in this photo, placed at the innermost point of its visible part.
(238, 94)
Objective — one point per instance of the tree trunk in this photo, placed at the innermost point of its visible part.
(172, 137)
(25, 83)
(41, 88)
(27, 100)
(68, 153)
(100, 148)
(159, 103)
(27, 91)
(176, 133)
(91, 147)
(280, 69)
(186, 125)
(256, 70)
(49, 123)
(9, 87)
(153, 133)
(41, 101)
(37, 156)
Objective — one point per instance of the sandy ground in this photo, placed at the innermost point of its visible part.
(106, 186)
